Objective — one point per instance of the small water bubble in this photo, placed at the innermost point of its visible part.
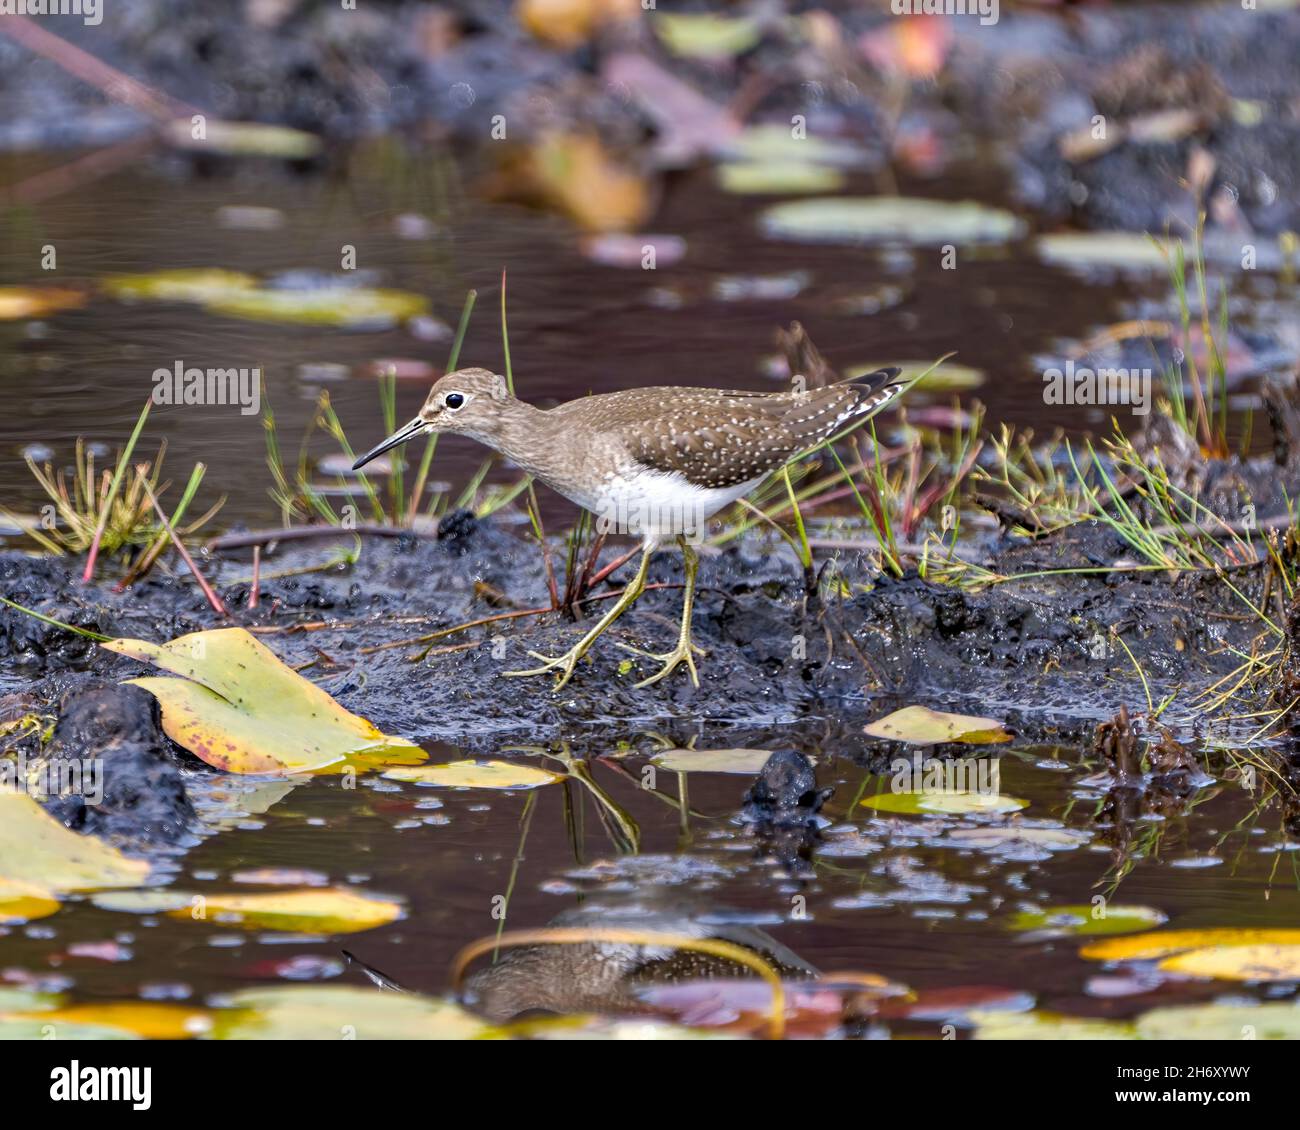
(462, 95)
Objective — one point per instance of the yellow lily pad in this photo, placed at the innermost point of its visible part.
(744, 762)
(953, 802)
(152, 1020)
(322, 306)
(314, 910)
(43, 1028)
(187, 284)
(476, 775)
(919, 725)
(337, 1012)
(1258, 962)
(1162, 943)
(239, 708)
(37, 851)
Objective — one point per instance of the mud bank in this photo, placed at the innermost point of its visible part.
(1182, 91)
(1044, 652)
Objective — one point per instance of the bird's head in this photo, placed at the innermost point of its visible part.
(468, 401)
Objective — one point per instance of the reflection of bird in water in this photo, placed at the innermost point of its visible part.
(605, 977)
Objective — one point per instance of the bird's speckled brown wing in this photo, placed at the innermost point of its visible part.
(721, 439)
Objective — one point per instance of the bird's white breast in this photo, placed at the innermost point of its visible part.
(658, 506)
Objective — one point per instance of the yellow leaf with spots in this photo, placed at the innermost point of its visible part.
(919, 725)
(37, 852)
(1259, 962)
(239, 708)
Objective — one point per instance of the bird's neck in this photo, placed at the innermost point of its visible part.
(522, 433)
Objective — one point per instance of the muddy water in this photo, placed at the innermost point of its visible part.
(896, 895)
(885, 894)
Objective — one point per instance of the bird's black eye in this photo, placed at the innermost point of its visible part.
(454, 400)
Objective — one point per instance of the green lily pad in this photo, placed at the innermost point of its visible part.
(1079, 919)
(889, 219)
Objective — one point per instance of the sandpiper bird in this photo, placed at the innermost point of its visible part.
(655, 462)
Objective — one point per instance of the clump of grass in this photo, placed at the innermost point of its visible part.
(108, 511)
(1205, 418)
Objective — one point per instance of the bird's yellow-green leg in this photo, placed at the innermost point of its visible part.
(685, 651)
(566, 663)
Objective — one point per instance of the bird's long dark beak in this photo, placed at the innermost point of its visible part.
(399, 437)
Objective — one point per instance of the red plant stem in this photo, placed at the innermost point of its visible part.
(617, 563)
(213, 599)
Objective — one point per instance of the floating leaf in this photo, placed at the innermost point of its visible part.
(1276, 1020)
(314, 910)
(22, 902)
(776, 144)
(346, 306)
(37, 301)
(889, 219)
(574, 174)
(244, 139)
(1162, 943)
(570, 23)
(1258, 962)
(335, 1012)
(152, 1020)
(1047, 1026)
(1113, 249)
(476, 775)
(954, 802)
(692, 35)
(919, 725)
(38, 851)
(1087, 919)
(944, 377)
(777, 178)
(42, 1028)
(745, 762)
(188, 284)
(239, 708)
(1009, 838)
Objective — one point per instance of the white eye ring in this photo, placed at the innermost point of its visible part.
(460, 398)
